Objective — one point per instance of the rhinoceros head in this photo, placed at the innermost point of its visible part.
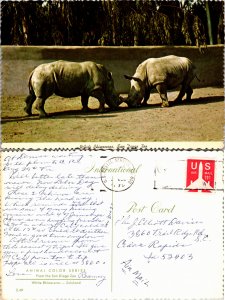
(136, 92)
(112, 97)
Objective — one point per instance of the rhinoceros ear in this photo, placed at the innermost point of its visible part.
(128, 77)
(132, 77)
(109, 75)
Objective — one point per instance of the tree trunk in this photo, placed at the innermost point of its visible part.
(25, 31)
(209, 23)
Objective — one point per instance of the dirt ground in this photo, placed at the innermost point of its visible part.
(202, 119)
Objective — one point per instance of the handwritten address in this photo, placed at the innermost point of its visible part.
(169, 238)
(147, 240)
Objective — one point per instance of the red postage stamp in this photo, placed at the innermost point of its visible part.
(200, 175)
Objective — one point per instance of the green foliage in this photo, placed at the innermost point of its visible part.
(200, 39)
(185, 29)
(107, 23)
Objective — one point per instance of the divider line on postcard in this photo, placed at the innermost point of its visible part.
(112, 237)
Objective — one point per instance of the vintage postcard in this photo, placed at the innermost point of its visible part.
(112, 150)
(112, 225)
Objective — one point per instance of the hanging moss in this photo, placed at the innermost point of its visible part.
(108, 23)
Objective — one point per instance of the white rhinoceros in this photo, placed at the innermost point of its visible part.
(163, 73)
(71, 79)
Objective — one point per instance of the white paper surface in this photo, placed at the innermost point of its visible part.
(110, 225)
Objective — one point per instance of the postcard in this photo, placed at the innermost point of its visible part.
(112, 153)
(112, 224)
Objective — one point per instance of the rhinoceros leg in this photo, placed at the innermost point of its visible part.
(39, 105)
(146, 97)
(161, 89)
(178, 100)
(84, 101)
(29, 102)
(181, 94)
(189, 92)
(101, 98)
(184, 89)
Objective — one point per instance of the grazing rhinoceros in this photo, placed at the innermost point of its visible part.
(71, 79)
(163, 73)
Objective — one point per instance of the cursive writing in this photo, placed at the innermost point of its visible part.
(54, 213)
(135, 274)
(161, 238)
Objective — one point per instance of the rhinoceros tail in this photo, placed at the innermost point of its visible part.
(30, 98)
(31, 91)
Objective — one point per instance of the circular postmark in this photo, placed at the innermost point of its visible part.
(118, 174)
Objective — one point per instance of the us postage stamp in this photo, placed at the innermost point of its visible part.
(200, 175)
(195, 175)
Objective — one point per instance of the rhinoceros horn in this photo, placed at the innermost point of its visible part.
(121, 100)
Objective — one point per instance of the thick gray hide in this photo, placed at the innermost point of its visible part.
(163, 73)
(71, 79)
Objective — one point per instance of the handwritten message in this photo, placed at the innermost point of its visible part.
(54, 213)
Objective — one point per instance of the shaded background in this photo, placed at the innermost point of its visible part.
(112, 23)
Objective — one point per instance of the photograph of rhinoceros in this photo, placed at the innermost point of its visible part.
(164, 73)
(71, 79)
(112, 71)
